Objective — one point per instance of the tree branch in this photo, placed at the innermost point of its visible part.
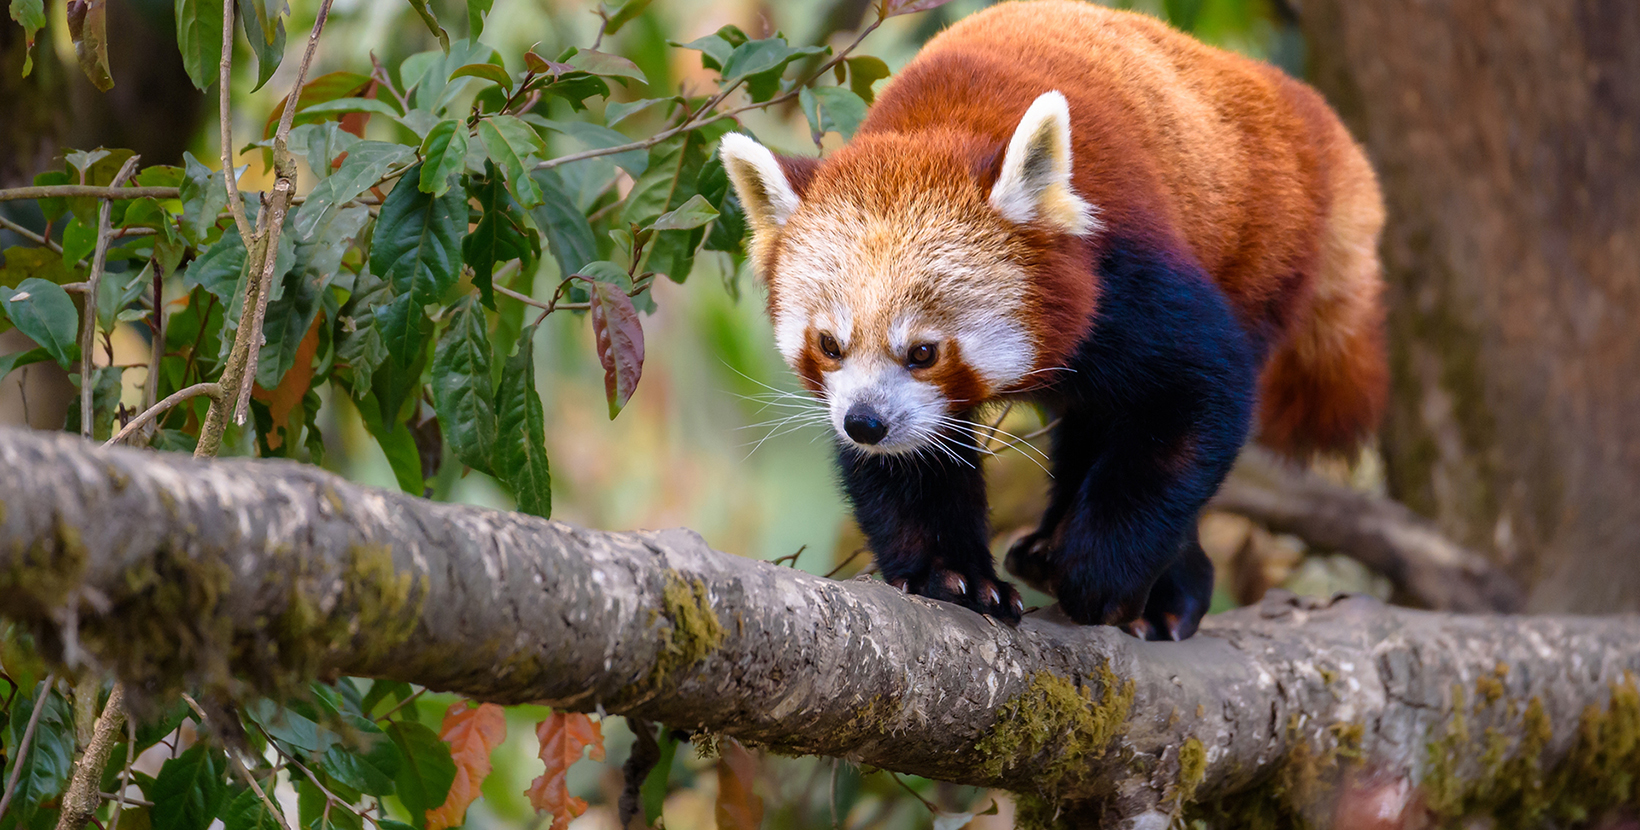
(213, 390)
(236, 205)
(1426, 568)
(60, 191)
(291, 572)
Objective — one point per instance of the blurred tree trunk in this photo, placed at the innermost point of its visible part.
(1507, 136)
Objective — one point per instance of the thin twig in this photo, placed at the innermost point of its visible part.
(403, 703)
(31, 236)
(840, 565)
(212, 390)
(23, 745)
(523, 298)
(88, 331)
(124, 799)
(125, 775)
(790, 557)
(239, 766)
(60, 191)
(236, 205)
(991, 437)
(914, 794)
(330, 797)
(81, 800)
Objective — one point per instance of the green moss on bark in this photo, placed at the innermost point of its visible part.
(1056, 726)
(691, 630)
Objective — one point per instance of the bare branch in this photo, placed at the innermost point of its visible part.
(213, 390)
(300, 573)
(1426, 568)
(62, 191)
(29, 235)
(224, 85)
(82, 799)
(88, 326)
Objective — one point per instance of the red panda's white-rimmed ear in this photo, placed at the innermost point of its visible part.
(765, 193)
(1035, 184)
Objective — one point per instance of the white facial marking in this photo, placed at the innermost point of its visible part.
(911, 408)
(1035, 183)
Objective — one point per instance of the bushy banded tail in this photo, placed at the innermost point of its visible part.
(1324, 389)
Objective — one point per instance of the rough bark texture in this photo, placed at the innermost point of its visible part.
(219, 574)
(1507, 136)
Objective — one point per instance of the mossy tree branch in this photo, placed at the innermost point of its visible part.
(233, 577)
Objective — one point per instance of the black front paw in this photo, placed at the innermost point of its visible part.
(978, 590)
(1090, 603)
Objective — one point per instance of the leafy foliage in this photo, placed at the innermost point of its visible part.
(447, 205)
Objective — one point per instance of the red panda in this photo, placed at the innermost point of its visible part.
(1085, 208)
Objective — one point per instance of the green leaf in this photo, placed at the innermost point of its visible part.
(219, 268)
(597, 137)
(477, 10)
(369, 766)
(501, 234)
(760, 63)
(289, 727)
(79, 240)
(427, 771)
(864, 71)
(619, 336)
(514, 146)
(189, 789)
(291, 315)
(521, 442)
(43, 311)
(366, 163)
(616, 111)
(320, 144)
(716, 48)
(266, 35)
(729, 228)
(444, 153)
(117, 290)
(462, 393)
(88, 27)
(50, 758)
(841, 111)
(327, 87)
(416, 247)
(359, 339)
(204, 195)
(18, 360)
(606, 271)
(432, 23)
(691, 214)
(30, 14)
(606, 65)
(485, 71)
(428, 73)
(345, 105)
(199, 36)
(561, 222)
(247, 812)
(623, 14)
(394, 437)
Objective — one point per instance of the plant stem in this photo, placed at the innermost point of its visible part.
(88, 329)
(211, 389)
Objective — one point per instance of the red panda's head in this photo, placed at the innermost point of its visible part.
(900, 269)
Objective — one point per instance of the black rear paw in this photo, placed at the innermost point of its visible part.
(977, 591)
(1031, 559)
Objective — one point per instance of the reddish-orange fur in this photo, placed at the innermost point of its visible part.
(1213, 156)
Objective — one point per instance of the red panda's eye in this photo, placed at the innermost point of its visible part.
(828, 345)
(921, 356)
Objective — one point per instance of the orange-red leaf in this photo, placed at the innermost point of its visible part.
(286, 398)
(738, 808)
(619, 336)
(472, 733)
(563, 737)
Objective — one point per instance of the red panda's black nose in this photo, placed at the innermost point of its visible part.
(863, 424)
